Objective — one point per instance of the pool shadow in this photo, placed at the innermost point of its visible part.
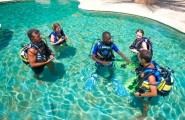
(68, 52)
(137, 102)
(48, 77)
(5, 37)
(176, 5)
(104, 72)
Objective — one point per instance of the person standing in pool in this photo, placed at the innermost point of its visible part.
(141, 43)
(103, 56)
(145, 57)
(103, 52)
(57, 37)
(39, 54)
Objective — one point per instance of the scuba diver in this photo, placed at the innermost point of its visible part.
(57, 37)
(39, 54)
(141, 43)
(103, 56)
(103, 52)
(153, 80)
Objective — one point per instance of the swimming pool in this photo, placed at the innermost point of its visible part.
(64, 97)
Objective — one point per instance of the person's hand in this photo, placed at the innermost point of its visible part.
(65, 37)
(106, 63)
(50, 59)
(51, 56)
(60, 40)
(136, 94)
(134, 50)
(128, 62)
(52, 43)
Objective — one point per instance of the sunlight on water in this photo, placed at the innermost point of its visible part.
(64, 96)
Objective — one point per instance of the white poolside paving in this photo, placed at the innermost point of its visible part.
(6, 0)
(169, 17)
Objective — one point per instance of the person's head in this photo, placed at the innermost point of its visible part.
(34, 35)
(144, 56)
(56, 27)
(106, 37)
(139, 34)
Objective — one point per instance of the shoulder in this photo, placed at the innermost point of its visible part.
(100, 43)
(32, 50)
(149, 71)
(113, 45)
(148, 74)
(155, 64)
(53, 33)
(97, 44)
(144, 43)
(152, 79)
(145, 39)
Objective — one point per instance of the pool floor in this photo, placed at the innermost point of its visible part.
(64, 96)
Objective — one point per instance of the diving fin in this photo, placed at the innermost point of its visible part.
(90, 84)
(120, 90)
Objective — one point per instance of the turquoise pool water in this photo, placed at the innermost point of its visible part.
(64, 96)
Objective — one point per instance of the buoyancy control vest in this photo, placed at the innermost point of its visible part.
(105, 52)
(164, 80)
(40, 56)
(57, 36)
(138, 44)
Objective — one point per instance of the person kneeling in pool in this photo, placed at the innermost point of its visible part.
(57, 37)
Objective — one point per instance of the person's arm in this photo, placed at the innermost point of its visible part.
(52, 40)
(65, 37)
(32, 58)
(153, 88)
(132, 47)
(124, 57)
(144, 46)
(120, 53)
(100, 61)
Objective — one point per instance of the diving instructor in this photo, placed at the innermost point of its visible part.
(103, 52)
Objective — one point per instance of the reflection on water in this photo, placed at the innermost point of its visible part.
(64, 96)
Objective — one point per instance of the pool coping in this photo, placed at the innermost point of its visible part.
(4, 1)
(174, 19)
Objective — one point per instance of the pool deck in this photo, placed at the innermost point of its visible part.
(7, 0)
(166, 15)
(173, 18)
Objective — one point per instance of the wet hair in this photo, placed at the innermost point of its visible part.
(30, 33)
(141, 31)
(146, 55)
(55, 25)
(105, 33)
